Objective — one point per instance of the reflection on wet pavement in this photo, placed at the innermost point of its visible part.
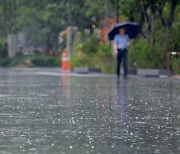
(46, 113)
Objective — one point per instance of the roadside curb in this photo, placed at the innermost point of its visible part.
(86, 70)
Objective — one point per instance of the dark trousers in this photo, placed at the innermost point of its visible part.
(122, 54)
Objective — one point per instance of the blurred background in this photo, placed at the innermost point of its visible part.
(34, 33)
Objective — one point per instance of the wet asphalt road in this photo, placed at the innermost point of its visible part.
(43, 111)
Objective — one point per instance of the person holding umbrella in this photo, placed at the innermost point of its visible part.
(121, 35)
(121, 42)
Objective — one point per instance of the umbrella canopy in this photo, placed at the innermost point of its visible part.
(132, 29)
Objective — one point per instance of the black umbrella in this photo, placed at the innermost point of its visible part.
(132, 29)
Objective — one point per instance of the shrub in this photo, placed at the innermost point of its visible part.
(176, 64)
(44, 61)
(102, 58)
(140, 54)
(58, 60)
(84, 60)
(17, 60)
(40, 61)
(4, 62)
(91, 45)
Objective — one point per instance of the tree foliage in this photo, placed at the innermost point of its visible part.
(43, 20)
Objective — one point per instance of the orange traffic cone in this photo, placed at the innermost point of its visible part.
(65, 62)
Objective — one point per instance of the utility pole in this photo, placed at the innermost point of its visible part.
(71, 31)
(70, 12)
(117, 11)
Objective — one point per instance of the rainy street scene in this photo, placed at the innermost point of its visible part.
(45, 111)
(89, 77)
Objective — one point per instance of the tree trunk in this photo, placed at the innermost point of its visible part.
(171, 12)
(152, 31)
(153, 14)
(50, 42)
(144, 9)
